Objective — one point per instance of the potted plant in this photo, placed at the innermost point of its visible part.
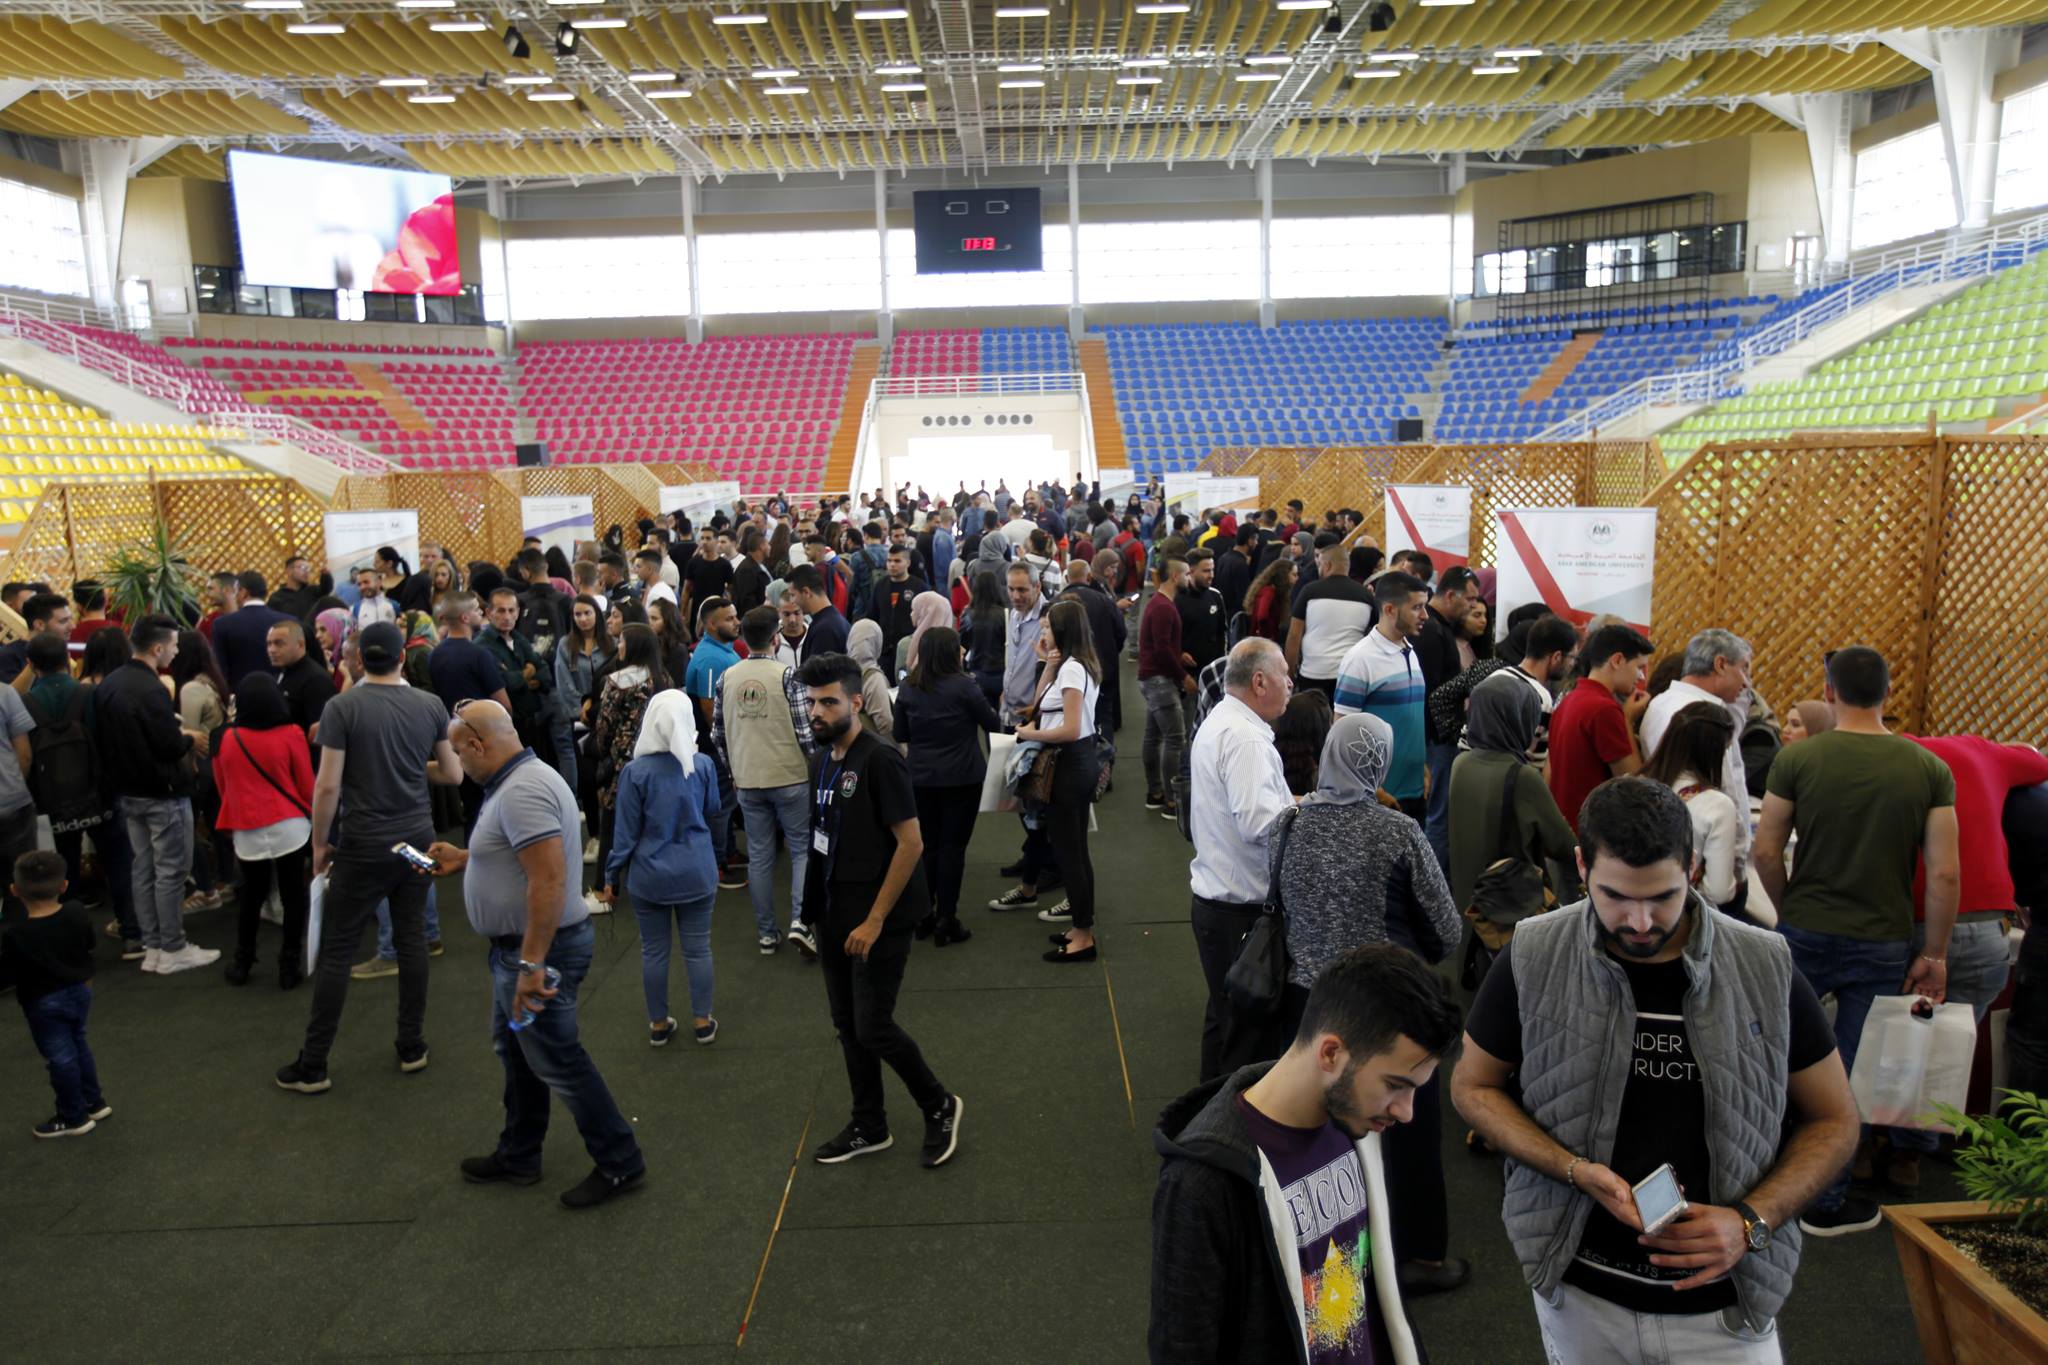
(1977, 1272)
(155, 576)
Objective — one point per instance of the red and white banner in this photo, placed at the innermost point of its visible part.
(1580, 562)
(1434, 518)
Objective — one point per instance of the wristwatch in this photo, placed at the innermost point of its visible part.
(1754, 1227)
(527, 968)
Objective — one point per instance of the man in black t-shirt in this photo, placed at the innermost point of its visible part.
(1662, 1032)
(864, 891)
(707, 575)
(1204, 615)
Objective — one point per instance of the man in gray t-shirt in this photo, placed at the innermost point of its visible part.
(17, 812)
(381, 743)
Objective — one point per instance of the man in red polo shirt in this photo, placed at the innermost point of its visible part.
(1592, 734)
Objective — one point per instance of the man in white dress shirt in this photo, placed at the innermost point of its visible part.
(1717, 669)
(1236, 789)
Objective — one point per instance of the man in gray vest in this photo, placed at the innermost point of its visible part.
(1647, 1028)
(761, 726)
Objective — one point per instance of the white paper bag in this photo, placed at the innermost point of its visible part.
(1905, 1065)
(319, 896)
(994, 795)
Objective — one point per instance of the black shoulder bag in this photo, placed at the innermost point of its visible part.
(1258, 978)
(1511, 888)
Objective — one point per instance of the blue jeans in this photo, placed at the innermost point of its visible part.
(546, 1057)
(385, 947)
(766, 808)
(1857, 971)
(693, 926)
(57, 1023)
(564, 737)
(160, 834)
(1977, 968)
(1436, 819)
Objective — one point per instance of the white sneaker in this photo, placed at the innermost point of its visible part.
(185, 959)
(150, 957)
(595, 906)
(590, 850)
(767, 943)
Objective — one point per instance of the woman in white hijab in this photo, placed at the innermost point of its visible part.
(661, 844)
(864, 644)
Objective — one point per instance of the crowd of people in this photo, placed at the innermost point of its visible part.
(1643, 874)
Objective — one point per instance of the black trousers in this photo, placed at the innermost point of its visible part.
(2026, 1028)
(1228, 1041)
(357, 881)
(293, 893)
(946, 816)
(1064, 823)
(862, 996)
(1415, 1178)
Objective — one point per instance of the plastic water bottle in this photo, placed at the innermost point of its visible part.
(518, 1021)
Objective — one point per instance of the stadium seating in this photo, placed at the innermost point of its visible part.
(1483, 399)
(1960, 360)
(981, 350)
(1185, 389)
(757, 408)
(45, 439)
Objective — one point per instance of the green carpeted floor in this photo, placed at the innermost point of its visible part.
(219, 1218)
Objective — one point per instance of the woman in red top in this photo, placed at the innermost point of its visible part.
(1270, 599)
(265, 775)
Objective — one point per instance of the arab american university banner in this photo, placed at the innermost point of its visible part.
(558, 520)
(1580, 562)
(1431, 517)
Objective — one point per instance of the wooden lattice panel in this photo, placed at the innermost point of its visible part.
(1800, 547)
(1988, 628)
(1509, 476)
(613, 500)
(1226, 461)
(468, 513)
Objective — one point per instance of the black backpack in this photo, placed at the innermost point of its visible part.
(64, 772)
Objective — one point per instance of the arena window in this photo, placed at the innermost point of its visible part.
(41, 245)
(1901, 190)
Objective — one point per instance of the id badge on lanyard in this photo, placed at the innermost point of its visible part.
(821, 823)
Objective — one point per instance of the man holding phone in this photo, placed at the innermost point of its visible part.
(1646, 1028)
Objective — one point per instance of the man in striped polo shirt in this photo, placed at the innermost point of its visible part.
(1382, 676)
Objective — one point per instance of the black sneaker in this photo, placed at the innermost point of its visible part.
(659, 1037)
(412, 1058)
(58, 1128)
(1856, 1214)
(133, 951)
(101, 1113)
(850, 1143)
(302, 1078)
(942, 1132)
(597, 1187)
(1015, 869)
(489, 1170)
(732, 879)
(1016, 898)
(805, 939)
(1155, 801)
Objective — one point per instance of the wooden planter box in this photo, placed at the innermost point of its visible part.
(1964, 1316)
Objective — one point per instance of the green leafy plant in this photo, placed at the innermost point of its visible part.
(155, 576)
(2002, 1158)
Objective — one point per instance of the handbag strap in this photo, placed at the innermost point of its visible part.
(261, 772)
(1286, 826)
(1510, 841)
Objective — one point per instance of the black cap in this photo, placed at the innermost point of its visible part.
(383, 647)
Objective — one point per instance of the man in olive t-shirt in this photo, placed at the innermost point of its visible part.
(1867, 805)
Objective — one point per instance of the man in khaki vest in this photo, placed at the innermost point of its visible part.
(761, 727)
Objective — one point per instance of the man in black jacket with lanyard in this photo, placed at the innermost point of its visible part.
(864, 891)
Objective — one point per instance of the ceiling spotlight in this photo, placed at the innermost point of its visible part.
(1163, 7)
(774, 74)
(1022, 12)
(580, 24)
(1257, 77)
(515, 43)
(1380, 17)
(430, 99)
(1394, 54)
(1021, 66)
(534, 78)
(458, 26)
(739, 18)
(899, 71)
(651, 77)
(1274, 59)
(402, 82)
(551, 96)
(903, 88)
(314, 30)
(881, 13)
(1497, 69)
(566, 39)
(1376, 73)
(1020, 85)
(1508, 54)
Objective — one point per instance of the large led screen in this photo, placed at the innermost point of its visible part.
(322, 225)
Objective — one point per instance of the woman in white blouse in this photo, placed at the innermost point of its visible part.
(1686, 760)
(1064, 720)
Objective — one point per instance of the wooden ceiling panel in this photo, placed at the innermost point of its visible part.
(118, 114)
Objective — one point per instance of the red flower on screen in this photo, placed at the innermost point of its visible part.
(425, 261)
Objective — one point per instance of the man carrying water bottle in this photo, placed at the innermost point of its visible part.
(518, 893)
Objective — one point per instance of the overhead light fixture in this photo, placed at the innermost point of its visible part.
(1021, 66)
(458, 26)
(426, 4)
(1308, 4)
(534, 78)
(1257, 77)
(1497, 69)
(515, 43)
(903, 88)
(315, 30)
(1376, 73)
(1273, 59)
(580, 24)
(1022, 12)
(739, 19)
(1163, 7)
(1139, 80)
(1380, 17)
(1020, 85)
(774, 74)
(573, 4)
(402, 82)
(787, 90)
(274, 4)
(1394, 54)
(678, 93)
(888, 13)
(899, 71)
(566, 39)
(1508, 54)
(1144, 61)
(651, 77)
(551, 96)
(1442, 4)
(430, 99)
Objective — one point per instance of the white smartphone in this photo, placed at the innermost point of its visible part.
(1658, 1199)
(415, 857)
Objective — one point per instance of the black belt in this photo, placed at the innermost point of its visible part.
(1239, 907)
(1977, 916)
(512, 941)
